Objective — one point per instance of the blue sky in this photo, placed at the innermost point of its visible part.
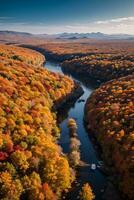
(54, 16)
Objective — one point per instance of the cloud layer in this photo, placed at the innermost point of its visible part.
(124, 25)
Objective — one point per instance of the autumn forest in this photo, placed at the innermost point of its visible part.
(32, 164)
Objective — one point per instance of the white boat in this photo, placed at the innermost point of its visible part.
(93, 166)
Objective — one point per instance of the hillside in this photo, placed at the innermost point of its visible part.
(109, 113)
(21, 54)
(32, 165)
(101, 66)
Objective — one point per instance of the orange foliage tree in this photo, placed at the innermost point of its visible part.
(31, 163)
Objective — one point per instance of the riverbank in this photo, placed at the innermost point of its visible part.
(71, 97)
(89, 155)
(109, 116)
(98, 179)
(101, 67)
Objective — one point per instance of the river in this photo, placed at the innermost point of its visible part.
(89, 155)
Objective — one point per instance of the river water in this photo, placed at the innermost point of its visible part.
(89, 154)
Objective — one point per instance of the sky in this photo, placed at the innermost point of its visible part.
(56, 16)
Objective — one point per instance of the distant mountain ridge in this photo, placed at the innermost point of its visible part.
(94, 35)
(15, 33)
(73, 36)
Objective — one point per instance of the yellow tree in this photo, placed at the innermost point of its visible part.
(86, 192)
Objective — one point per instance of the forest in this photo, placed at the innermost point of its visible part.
(67, 100)
(109, 111)
(109, 114)
(32, 165)
(103, 67)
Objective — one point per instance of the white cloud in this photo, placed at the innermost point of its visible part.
(116, 20)
(117, 25)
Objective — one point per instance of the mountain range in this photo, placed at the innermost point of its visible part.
(73, 36)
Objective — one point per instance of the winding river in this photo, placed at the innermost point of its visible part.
(88, 152)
